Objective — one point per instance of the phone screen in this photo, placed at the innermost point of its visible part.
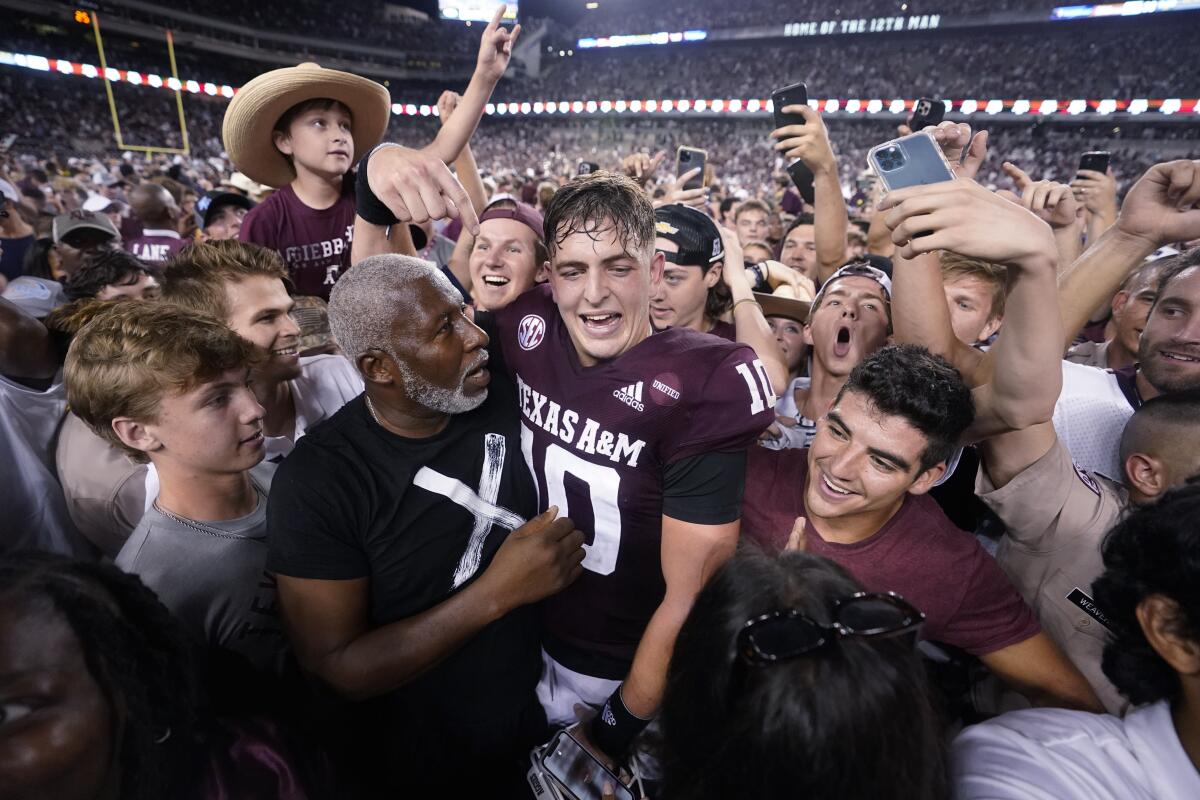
(578, 770)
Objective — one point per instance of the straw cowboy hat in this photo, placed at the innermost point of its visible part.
(254, 110)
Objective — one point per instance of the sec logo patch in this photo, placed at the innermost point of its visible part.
(531, 331)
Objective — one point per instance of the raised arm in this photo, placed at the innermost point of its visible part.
(750, 326)
(495, 51)
(810, 143)
(963, 217)
(1158, 210)
(1056, 204)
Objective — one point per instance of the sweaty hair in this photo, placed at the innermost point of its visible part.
(366, 301)
(852, 720)
(196, 278)
(751, 205)
(1153, 551)
(1166, 426)
(995, 275)
(103, 267)
(593, 203)
(129, 356)
(137, 653)
(905, 380)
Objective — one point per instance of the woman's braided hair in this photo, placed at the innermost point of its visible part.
(137, 653)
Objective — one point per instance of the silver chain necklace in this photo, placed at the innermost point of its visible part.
(371, 408)
(199, 527)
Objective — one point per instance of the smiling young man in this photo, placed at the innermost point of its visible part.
(507, 255)
(861, 494)
(172, 386)
(641, 438)
(243, 285)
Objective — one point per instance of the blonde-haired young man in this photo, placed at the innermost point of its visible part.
(172, 387)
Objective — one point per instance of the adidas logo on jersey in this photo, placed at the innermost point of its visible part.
(631, 396)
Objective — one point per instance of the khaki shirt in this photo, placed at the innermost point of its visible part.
(1057, 516)
(1090, 354)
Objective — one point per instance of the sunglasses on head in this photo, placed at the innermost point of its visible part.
(784, 635)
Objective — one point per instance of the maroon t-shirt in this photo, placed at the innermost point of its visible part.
(598, 440)
(725, 330)
(315, 244)
(157, 245)
(968, 601)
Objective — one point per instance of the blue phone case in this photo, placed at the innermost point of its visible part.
(921, 162)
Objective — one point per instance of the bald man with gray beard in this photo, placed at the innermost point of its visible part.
(1057, 514)
(407, 562)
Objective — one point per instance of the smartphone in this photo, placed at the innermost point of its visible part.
(794, 95)
(911, 160)
(802, 177)
(580, 773)
(688, 158)
(927, 111)
(1095, 160)
(587, 168)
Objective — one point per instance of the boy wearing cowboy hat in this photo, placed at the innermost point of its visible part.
(303, 128)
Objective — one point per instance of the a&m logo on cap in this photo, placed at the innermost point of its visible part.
(531, 331)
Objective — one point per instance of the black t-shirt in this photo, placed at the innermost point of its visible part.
(356, 501)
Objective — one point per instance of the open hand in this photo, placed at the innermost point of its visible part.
(1050, 201)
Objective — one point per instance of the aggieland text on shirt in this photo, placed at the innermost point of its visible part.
(555, 420)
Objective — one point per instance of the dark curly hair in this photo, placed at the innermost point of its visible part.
(136, 652)
(851, 721)
(1153, 551)
(906, 380)
(104, 267)
(591, 203)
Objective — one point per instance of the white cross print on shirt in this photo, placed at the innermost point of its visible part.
(481, 504)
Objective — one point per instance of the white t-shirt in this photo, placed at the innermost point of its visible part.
(33, 509)
(1054, 754)
(326, 383)
(1090, 416)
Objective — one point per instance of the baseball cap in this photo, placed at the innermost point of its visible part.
(212, 201)
(501, 197)
(98, 202)
(692, 231)
(523, 213)
(66, 224)
(861, 268)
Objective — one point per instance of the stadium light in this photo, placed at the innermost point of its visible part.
(684, 105)
(718, 105)
(605, 106)
(134, 77)
(489, 109)
(969, 106)
(155, 81)
(1048, 107)
(1020, 107)
(620, 106)
(111, 74)
(410, 109)
(994, 106)
(1077, 107)
(1138, 105)
(753, 106)
(1106, 106)
(701, 105)
(193, 87)
(210, 89)
(635, 105)
(425, 111)
(874, 106)
(577, 107)
(852, 106)
(831, 105)
(897, 106)
(173, 84)
(668, 105)
(539, 107)
(1170, 106)
(591, 106)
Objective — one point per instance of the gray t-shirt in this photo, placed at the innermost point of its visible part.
(212, 576)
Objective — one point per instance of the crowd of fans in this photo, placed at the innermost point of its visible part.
(362, 455)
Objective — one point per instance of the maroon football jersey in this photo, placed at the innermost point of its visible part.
(598, 440)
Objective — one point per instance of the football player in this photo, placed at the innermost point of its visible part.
(640, 438)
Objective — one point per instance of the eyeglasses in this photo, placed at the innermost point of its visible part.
(784, 635)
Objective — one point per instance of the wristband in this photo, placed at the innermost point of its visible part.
(614, 728)
(757, 273)
(745, 300)
(366, 204)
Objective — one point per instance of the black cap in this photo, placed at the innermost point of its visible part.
(211, 201)
(692, 231)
